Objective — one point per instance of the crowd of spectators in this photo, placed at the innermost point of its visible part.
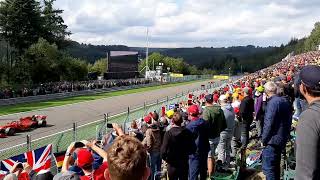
(203, 135)
(62, 87)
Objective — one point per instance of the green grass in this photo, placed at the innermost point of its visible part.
(5, 110)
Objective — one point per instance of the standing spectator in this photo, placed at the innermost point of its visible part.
(237, 127)
(213, 114)
(246, 115)
(276, 131)
(224, 148)
(153, 143)
(308, 130)
(299, 103)
(259, 107)
(174, 151)
(127, 159)
(199, 130)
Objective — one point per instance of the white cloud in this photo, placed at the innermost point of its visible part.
(178, 23)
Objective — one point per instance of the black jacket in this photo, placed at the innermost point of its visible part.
(247, 109)
(177, 145)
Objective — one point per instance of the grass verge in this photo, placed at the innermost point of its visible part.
(5, 110)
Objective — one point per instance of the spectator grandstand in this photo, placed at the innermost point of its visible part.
(60, 87)
(119, 156)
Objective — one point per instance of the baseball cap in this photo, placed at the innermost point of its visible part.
(170, 114)
(209, 98)
(84, 158)
(193, 110)
(69, 175)
(260, 89)
(147, 119)
(310, 76)
(223, 98)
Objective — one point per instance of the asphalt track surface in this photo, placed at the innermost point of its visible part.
(62, 117)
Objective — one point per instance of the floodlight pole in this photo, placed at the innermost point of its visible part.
(147, 54)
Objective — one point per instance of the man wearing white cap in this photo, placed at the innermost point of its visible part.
(224, 147)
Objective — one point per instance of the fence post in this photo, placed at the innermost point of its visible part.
(167, 100)
(144, 108)
(29, 142)
(105, 118)
(125, 122)
(74, 128)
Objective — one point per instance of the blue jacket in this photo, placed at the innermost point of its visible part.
(200, 132)
(277, 122)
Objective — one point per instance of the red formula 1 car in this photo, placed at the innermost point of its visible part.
(24, 124)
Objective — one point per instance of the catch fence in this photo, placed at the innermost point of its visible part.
(93, 130)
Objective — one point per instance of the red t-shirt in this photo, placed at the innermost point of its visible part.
(98, 174)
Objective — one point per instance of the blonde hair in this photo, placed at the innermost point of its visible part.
(127, 159)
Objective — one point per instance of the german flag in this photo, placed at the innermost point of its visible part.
(59, 158)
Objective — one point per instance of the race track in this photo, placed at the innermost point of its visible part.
(60, 118)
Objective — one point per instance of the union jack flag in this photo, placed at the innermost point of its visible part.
(39, 159)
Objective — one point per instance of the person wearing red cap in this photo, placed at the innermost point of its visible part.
(85, 161)
(153, 142)
(199, 129)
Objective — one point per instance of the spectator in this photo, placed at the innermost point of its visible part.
(85, 161)
(224, 148)
(308, 130)
(127, 159)
(213, 114)
(237, 127)
(259, 108)
(174, 151)
(199, 130)
(299, 103)
(153, 143)
(276, 131)
(246, 115)
(66, 176)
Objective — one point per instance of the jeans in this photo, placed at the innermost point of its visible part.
(271, 158)
(155, 161)
(299, 106)
(213, 146)
(259, 124)
(224, 147)
(236, 137)
(198, 165)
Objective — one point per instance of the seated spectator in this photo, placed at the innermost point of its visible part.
(174, 151)
(127, 159)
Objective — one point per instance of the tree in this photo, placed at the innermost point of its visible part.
(55, 30)
(20, 23)
(43, 59)
(100, 66)
(313, 40)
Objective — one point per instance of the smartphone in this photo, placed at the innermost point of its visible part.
(109, 125)
(79, 145)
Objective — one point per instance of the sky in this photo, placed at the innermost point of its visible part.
(189, 23)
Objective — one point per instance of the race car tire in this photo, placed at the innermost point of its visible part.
(10, 131)
(42, 123)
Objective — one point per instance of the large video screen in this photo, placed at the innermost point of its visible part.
(123, 61)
